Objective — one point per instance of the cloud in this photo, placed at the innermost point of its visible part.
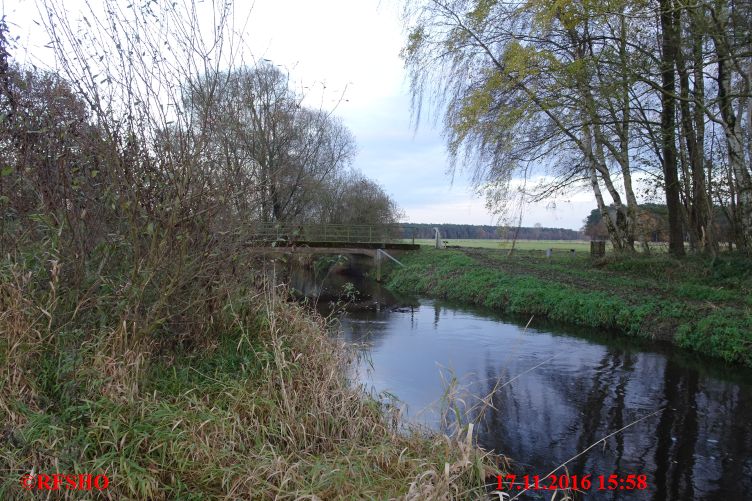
(353, 47)
(463, 207)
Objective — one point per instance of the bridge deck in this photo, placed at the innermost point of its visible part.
(322, 235)
(366, 240)
(302, 245)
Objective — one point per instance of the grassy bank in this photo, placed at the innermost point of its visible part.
(701, 306)
(246, 401)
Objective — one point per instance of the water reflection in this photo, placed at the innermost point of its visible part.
(554, 394)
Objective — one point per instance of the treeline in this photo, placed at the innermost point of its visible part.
(99, 156)
(587, 95)
(471, 231)
(653, 226)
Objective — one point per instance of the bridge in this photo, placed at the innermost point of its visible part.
(375, 241)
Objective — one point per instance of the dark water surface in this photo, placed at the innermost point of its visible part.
(562, 391)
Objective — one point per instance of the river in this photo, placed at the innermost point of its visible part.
(553, 392)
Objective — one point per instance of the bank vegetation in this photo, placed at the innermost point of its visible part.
(700, 305)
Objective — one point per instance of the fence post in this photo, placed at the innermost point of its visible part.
(597, 248)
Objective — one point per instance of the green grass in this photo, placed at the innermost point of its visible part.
(527, 245)
(542, 245)
(701, 306)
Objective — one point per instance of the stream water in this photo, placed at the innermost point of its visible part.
(552, 392)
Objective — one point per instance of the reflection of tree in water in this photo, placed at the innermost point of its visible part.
(576, 413)
(676, 435)
(616, 413)
(687, 468)
(566, 424)
(735, 444)
(526, 417)
(603, 413)
(697, 447)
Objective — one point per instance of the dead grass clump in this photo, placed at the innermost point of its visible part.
(21, 343)
(266, 414)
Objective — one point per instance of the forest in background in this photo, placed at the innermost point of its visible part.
(473, 231)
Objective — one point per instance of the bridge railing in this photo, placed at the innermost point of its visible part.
(343, 233)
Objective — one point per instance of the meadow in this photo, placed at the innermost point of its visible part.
(542, 245)
(530, 245)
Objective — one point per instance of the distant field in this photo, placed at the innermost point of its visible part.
(578, 245)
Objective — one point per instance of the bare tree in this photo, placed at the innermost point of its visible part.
(354, 199)
(280, 151)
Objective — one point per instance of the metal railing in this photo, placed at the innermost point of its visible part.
(341, 233)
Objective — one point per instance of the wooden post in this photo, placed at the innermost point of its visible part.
(597, 248)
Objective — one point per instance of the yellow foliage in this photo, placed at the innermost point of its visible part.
(482, 10)
(570, 13)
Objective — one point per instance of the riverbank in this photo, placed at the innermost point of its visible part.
(248, 400)
(693, 304)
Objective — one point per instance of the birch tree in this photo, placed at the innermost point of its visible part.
(731, 32)
(528, 85)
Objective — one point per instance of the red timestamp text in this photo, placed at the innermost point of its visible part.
(613, 482)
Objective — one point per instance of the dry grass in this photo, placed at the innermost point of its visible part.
(20, 339)
(260, 408)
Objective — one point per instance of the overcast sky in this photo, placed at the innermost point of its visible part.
(353, 46)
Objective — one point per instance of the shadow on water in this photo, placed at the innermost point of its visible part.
(338, 281)
(565, 390)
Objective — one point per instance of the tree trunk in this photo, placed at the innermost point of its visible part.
(614, 233)
(732, 127)
(668, 129)
(620, 228)
(699, 214)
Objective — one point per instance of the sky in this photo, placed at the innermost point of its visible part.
(351, 48)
